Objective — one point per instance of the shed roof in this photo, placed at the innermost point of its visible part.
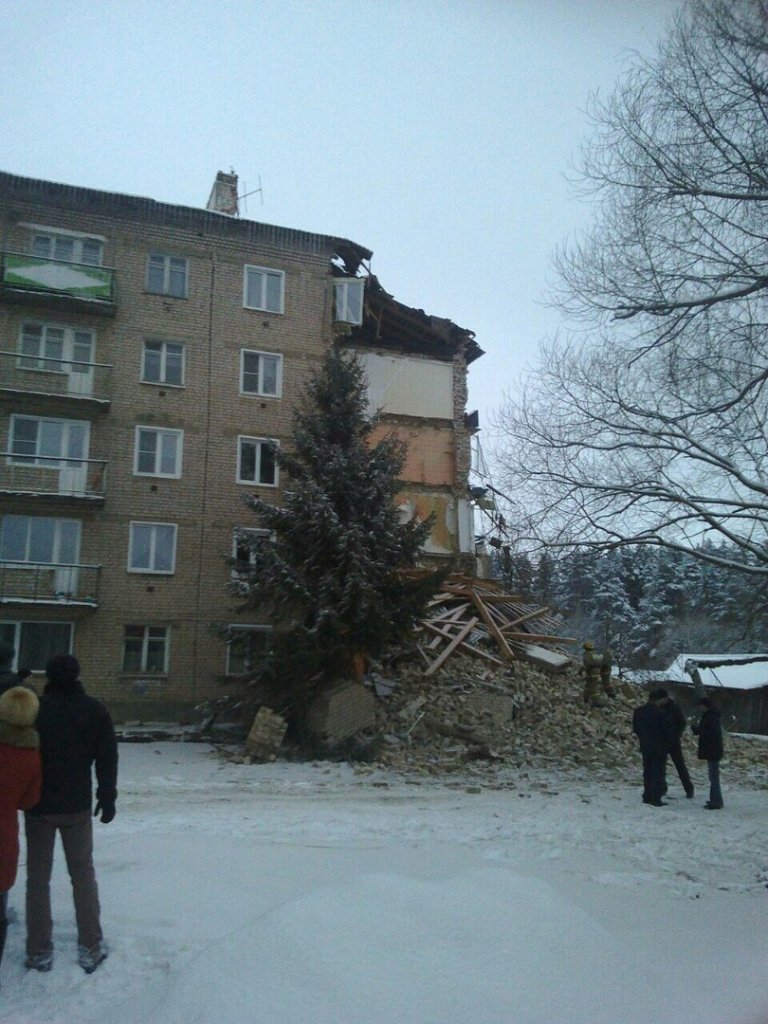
(731, 671)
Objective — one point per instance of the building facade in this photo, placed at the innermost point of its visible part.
(150, 358)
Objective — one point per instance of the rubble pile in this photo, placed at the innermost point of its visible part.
(467, 712)
(471, 717)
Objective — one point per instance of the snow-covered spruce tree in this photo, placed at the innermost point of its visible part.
(331, 581)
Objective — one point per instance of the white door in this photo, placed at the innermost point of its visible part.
(80, 366)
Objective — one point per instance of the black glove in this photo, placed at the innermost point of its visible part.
(108, 811)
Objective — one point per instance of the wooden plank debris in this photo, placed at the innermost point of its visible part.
(475, 616)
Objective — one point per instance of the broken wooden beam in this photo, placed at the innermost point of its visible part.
(506, 650)
(452, 646)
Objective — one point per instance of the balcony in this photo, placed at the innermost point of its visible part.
(39, 281)
(54, 477)
(55, 383)
(24, 583)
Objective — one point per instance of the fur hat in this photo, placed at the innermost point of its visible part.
(19, 706)
(63, 668)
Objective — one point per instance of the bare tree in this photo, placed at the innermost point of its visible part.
(647, 424)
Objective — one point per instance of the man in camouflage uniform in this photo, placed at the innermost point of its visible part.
(592, 665)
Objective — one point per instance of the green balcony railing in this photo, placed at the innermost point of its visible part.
(49, 583)
(21, 272)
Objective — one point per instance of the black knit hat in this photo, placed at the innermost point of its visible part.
(63, 668)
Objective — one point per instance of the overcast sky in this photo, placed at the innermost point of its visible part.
(437, 133)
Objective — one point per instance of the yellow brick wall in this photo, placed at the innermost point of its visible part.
(206, 502)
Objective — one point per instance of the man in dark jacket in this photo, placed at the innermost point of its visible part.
(674, 727)
(710, 733)
(76, 734)
(648, 726)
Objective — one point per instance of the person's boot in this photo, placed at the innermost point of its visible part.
(42, 962)
(89, 959)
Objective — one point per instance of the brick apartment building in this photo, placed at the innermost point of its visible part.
(150, 356)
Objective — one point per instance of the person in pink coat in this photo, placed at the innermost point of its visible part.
(20, 781)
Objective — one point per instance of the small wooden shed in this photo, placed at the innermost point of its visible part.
(737, 683)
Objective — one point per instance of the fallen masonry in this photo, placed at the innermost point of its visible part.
(467, 717)
(490, 686)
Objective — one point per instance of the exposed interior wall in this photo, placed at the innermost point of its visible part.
(430, 456)
(401, 385)
(443, 537)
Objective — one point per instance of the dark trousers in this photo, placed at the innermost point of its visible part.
(715, 793)
(653, 776)
(77, 839)
(676, 753)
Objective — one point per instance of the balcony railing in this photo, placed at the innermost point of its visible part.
(47, 583)
(60, 378)
(21, 273)
(53, 475)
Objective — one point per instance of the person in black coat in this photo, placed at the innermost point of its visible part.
(76, 735)
(674, 727)
(648, 726)
(710, 732)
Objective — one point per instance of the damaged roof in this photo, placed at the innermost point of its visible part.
(390, 324)
(74, 198)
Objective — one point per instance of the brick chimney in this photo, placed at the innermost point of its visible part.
(223, 197)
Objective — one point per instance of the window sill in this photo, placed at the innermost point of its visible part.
(154, 573)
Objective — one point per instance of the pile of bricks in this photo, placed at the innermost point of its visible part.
(467, 716)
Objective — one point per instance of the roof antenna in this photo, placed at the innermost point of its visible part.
(252, 192)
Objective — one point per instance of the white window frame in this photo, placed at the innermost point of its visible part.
(262, 303)
(78, 239)
(161, 434)
(53, 461)
(265, 536)
(165, 289)
(259, 443)
(164, 346)
(152, 548)
(146, 639)
(23, 560)
(42, 361)
(260, 392)
(239, 628)
(348, 296)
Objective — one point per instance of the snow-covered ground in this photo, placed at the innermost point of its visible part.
(315, 894)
